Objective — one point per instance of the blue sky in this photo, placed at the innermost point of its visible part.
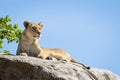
(88, 29)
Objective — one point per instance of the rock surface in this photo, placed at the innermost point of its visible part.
(31, 68)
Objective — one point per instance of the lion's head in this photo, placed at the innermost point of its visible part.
(33, 30)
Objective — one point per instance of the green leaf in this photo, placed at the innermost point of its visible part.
(8, 18)
(6, 51)
(11, 32)
(16, 26)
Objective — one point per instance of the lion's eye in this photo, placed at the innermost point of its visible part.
(34, 28)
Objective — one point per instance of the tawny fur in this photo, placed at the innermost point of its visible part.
(29, 46)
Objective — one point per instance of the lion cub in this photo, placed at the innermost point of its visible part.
(29, 46)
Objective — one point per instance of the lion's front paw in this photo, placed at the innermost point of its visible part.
(23, 54)
(41, 57)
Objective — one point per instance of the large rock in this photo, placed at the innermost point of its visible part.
(31, 68)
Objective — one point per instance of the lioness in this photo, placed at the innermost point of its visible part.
(29, 46)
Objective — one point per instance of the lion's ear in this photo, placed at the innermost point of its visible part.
(26, 23)
(40, 24)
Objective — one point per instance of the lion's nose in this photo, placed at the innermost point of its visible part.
(39, 33)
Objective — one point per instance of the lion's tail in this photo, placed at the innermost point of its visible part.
(72, 60)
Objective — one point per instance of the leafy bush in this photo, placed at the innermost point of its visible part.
(8, 31)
